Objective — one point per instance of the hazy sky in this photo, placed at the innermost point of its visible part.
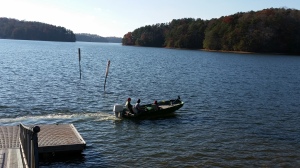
(117, 17)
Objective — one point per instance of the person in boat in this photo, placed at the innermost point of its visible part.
(156, 106)
(129, 106)
(138, 107)
(176, 101)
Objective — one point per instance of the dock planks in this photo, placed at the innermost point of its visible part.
(10, 155)
(60, 138)
(9, 137)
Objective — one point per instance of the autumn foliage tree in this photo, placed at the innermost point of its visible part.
(179, 33)
(128, 39)
(269, 30)
(185, 33)
(152, 36)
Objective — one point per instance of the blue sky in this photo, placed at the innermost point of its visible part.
(117, 17)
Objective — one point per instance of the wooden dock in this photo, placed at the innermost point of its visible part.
(60, 138)
(10, 155)
(51, 139)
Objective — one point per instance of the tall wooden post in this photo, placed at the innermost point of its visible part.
(106, 73)
(79, 57)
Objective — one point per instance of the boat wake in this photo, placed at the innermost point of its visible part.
(59, 118)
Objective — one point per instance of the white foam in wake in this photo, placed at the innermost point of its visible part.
(60, 117)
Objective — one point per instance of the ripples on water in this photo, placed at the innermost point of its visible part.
(241, 110)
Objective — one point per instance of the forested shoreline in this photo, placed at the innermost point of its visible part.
(27, 30)
(274, 30)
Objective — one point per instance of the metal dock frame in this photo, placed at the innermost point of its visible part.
(21, 146)
(29, 146)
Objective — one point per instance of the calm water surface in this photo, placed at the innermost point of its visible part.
(241, 110)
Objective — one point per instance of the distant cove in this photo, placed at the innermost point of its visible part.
(96, 38)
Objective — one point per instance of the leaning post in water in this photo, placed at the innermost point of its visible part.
(79, 58)
(106, 73)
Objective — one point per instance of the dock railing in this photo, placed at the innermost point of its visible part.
(29, 146)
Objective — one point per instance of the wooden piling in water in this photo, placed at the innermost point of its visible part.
(106, 73)
(79, 58)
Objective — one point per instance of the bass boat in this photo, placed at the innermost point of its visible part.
(149, 111)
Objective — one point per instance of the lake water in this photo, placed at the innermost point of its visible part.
(241, 110)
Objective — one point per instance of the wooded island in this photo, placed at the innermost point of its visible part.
(274, 30)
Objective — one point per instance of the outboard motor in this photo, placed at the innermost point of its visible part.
(118, 110)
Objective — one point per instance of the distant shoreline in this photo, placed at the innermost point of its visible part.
(236, 52)
(246, 52)
(225, 51)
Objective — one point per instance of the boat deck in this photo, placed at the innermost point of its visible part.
(164, 106)
(51, 139)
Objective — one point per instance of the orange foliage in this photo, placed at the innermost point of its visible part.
(227, 19)
(267, 12)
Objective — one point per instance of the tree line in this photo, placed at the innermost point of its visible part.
(27, 30)
(96, 38)
(90, 37)
(275, 30)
